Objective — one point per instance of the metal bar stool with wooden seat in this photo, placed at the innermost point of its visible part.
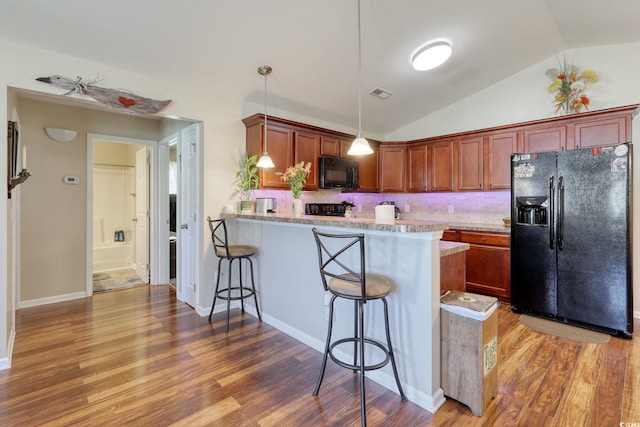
(224, 251)
(335, 253)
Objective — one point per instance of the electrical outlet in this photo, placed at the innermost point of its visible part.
(327, 301)
(407, 207)
(451, 209)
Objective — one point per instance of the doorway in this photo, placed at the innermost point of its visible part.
(118, 208)
(173, 210)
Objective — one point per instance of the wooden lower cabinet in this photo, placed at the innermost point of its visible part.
(488, 271)
(487, 262)
(452, 272)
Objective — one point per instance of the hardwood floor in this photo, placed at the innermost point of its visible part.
(138, 357)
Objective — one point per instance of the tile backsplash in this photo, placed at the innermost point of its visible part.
(464, 207)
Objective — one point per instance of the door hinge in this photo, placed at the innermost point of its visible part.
(194, 287)
(147, 267)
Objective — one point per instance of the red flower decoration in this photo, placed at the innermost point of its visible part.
(127, 102)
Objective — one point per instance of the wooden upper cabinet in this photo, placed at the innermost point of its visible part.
(440, 166)
(392, 168)
(597, 133)
(537, 140)
(330, 146)
(417, 168)
(498, 160)
(368, 166)
(466, 161)
(470, 162)
(280, 148)
(306, 148)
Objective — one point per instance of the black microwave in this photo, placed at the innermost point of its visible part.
(338, 173)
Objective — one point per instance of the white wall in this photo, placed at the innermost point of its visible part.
(521, 97)
(524, 97)
(219, 108)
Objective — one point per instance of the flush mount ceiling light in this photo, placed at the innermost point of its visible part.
(265, 161)
(61, 135)
(431, 55)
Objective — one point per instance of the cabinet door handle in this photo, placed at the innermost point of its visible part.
(483, 239)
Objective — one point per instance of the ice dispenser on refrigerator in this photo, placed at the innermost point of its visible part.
(532, 210)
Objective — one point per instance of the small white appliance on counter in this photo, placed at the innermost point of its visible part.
(265, 205)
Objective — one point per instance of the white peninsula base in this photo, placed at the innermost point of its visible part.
(292, 299)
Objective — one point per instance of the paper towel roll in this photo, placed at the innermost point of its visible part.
(385, 214)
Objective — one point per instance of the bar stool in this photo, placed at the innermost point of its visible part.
(342, 281)
(231, 253)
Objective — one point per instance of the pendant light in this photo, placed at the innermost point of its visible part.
(265, 161)
(359, 146)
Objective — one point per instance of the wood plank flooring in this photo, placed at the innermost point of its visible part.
(136, 357)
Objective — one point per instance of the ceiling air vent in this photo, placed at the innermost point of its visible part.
(380, 93)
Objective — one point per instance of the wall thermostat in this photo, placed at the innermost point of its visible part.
(71, 180)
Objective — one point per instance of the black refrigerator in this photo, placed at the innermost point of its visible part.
(571, 237)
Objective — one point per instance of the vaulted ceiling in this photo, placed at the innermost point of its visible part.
(312, 46)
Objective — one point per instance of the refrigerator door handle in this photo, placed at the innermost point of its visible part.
(551, 215)
(560, 213)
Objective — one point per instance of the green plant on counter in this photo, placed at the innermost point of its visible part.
(248, 179)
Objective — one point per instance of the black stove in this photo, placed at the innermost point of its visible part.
(325, 209)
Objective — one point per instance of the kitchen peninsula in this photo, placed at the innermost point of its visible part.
(291, 297)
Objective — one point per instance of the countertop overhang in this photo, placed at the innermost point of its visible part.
(397, 226)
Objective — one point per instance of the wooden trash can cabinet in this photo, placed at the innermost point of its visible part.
(469, 348)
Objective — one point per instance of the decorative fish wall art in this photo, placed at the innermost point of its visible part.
(118, 99)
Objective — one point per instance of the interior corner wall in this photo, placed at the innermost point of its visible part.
(53, 214)
(524, 96)
(7, 310)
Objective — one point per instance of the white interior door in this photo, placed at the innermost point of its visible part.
(187, 230)
(141, 219)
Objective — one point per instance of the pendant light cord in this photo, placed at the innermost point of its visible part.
(359, 75)
(265, 112)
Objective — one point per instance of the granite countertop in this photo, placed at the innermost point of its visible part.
(489, 228)
(450, 248)
(397, 226)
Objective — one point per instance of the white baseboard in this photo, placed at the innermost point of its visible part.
(5, 362)
(430, 403)
(51, 300)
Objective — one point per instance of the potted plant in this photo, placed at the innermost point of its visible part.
(248, 180)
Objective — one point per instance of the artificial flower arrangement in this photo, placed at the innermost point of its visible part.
(570, 85)
(296, 177)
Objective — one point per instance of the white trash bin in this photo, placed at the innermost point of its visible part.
(469, 348)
